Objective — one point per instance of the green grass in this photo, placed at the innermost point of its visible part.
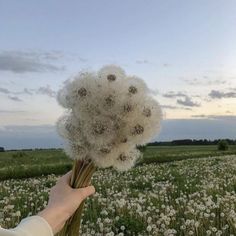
(21, 164)
(161, 154)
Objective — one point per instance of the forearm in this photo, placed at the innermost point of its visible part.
(56, 218)
(30, 226)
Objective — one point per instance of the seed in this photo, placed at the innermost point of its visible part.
(117, 126)
(68, 127)
(133, 89)
(105, 150)
(138, 129)
(111, 77)
(82, 92)
(98, 128)
(79, 148)
(110, 100)
(122, 157)
(147, 112)
(127, 108)
(124, 140)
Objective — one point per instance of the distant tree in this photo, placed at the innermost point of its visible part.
(2, 149)
(223, 145)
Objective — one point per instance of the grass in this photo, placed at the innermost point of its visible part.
(161, 154)
(22, 164)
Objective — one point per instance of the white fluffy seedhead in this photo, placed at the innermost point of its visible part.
(109, 113)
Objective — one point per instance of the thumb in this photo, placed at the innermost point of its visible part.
(83, 193)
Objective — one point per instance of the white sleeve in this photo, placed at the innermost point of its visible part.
(30, 226)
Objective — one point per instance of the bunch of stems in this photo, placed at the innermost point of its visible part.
(81, 176)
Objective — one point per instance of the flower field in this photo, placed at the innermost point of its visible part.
(189, 197)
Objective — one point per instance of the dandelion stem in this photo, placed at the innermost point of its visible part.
(82, 172)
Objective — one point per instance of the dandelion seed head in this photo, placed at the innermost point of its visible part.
(111, 73)
(137, 129)
(111, 77)
(133, 89)
(110, 100)
(98, 128)
(75, 151)
(147, 112)
(82, 92)
(124, 140)
(109, 114)
(126, 160)
(128, 108)
(105, 150)
(69, 127)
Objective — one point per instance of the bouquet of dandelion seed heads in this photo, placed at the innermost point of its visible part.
(108, 115)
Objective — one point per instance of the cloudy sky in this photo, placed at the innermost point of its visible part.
(184, 50)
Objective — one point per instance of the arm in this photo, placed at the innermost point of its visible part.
(33, 225)
(63, 202)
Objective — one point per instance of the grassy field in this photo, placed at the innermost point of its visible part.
(173, 190)
(189, 197)
(21, 164)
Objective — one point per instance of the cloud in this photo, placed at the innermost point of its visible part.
(175, 107)
(3, 90)
(216, 117)
(166, 65)
(185, 99)
(216, 94)
(204, 81)
(173, 94)
(200, 116)
(15, 98)
(23, 62)
(188, 102)
(27, 91)
(142, 62)
(46, 91)
(11, 112)
(229, 112)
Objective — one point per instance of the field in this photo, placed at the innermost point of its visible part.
(195, 195)
(21, 164)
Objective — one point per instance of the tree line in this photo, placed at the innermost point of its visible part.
(160, 143)
(191, 142)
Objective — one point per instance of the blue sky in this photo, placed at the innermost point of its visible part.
(184, 50)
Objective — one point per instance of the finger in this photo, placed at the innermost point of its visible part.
(66, 178)
(83, 193)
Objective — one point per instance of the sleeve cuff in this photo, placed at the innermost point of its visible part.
(35, 225)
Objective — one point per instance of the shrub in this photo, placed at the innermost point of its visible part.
(223, 145)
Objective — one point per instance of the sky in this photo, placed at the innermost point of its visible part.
(184, 50)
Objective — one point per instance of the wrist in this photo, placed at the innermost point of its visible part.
(55, 216)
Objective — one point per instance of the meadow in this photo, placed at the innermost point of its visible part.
(195, 195)
(33, 163)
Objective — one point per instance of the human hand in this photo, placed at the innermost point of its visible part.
(63, 202)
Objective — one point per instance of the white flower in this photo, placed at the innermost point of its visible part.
(149, 228)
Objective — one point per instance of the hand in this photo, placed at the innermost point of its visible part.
(63, 202)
